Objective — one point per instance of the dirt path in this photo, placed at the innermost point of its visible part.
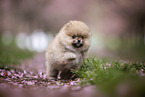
(36, 64)
(29, 80)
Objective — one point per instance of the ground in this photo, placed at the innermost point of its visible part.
(29, 80)
(98, 77)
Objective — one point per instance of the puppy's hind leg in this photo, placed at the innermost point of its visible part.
(54, 73)
(50, 72)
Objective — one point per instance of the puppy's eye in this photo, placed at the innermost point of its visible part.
(73, 36)
(82, 37)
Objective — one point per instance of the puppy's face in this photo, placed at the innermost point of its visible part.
(76, 35)
(77, 41)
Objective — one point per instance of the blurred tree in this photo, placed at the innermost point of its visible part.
(26, 15)
(134, 13)
(124, 18)
(21, 15)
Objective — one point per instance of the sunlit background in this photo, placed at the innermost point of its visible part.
(117, 26)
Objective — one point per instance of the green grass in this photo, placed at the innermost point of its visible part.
(108, 74)
(11, 54)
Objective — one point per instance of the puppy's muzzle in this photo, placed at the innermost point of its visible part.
(78, 43)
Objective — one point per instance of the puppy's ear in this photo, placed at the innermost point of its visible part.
(68, 24)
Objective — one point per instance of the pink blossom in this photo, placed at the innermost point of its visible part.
(8, 73)
(30, 83)
(12, 71)
(25, 72)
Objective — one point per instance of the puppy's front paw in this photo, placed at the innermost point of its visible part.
(71, 57)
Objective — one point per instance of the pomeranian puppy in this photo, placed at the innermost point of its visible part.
(68, 50)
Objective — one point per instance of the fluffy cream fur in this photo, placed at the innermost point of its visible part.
(62, 55)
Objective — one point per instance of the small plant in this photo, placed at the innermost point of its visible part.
(107, 75)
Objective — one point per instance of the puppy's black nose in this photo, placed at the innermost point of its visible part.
(79, 41)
